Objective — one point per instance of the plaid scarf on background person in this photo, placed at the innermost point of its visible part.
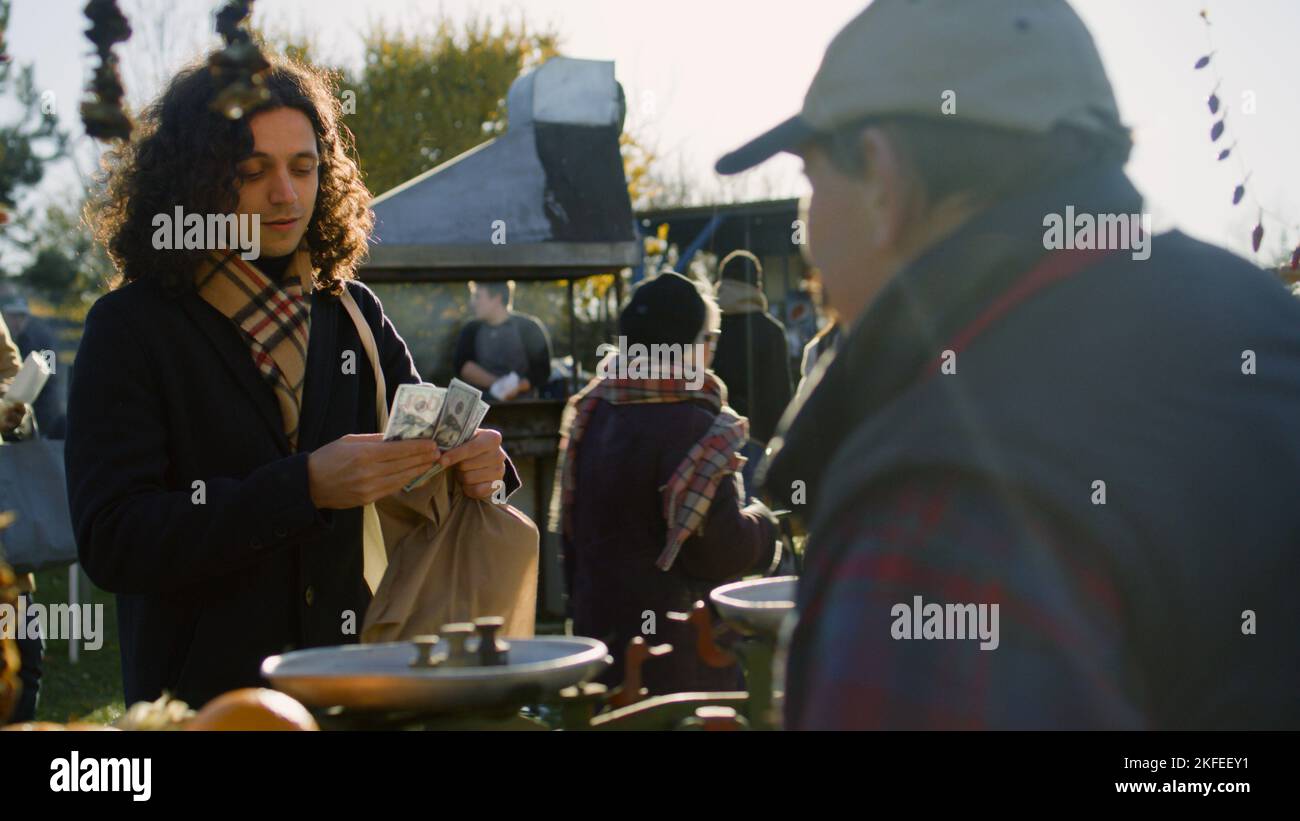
(274, 317)
(689, 493)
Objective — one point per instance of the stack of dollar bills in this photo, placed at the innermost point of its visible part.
(449, 416)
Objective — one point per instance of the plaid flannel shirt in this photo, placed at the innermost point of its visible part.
(1058, 661)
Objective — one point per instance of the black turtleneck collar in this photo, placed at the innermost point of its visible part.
(274, 267)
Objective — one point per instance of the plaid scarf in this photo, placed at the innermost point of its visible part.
(274, 317)
(689, 493)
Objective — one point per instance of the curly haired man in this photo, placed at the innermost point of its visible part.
(220, 450)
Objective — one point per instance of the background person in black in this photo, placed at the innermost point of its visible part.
(752, 357)
(499, 342)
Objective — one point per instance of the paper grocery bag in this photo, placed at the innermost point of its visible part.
(452, 559)
(444, 557)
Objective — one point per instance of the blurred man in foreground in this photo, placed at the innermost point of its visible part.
(1066, 492)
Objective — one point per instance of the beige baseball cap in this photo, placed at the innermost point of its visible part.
(1025, 65)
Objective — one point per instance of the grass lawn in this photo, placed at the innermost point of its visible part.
(90, 690)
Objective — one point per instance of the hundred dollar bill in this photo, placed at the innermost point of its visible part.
(458, 408)
(415, 411)
(478, 415)
(462, 411)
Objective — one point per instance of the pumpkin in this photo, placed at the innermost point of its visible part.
(253, 708)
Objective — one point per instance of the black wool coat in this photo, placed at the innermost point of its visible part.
(188, 502)
(754, 362)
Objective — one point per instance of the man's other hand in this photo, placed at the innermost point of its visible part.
(357, 469)
(479, 463)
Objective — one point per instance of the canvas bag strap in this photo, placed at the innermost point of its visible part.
(372, 353)
(374, 548)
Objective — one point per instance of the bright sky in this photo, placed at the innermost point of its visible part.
(703, 76)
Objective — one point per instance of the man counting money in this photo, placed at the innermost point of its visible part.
(221, 421)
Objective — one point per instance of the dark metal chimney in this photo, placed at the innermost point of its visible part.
(550, 192)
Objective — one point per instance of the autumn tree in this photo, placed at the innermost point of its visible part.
(67, 266)
(422, 97)
(30, 140)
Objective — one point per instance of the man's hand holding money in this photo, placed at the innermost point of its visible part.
(479, 463)
(356, 470)
(429, 429)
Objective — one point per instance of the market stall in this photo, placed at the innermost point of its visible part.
(545, 202)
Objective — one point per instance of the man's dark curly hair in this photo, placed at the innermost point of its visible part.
(184, 153)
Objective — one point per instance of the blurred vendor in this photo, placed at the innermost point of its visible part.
(503, 352)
